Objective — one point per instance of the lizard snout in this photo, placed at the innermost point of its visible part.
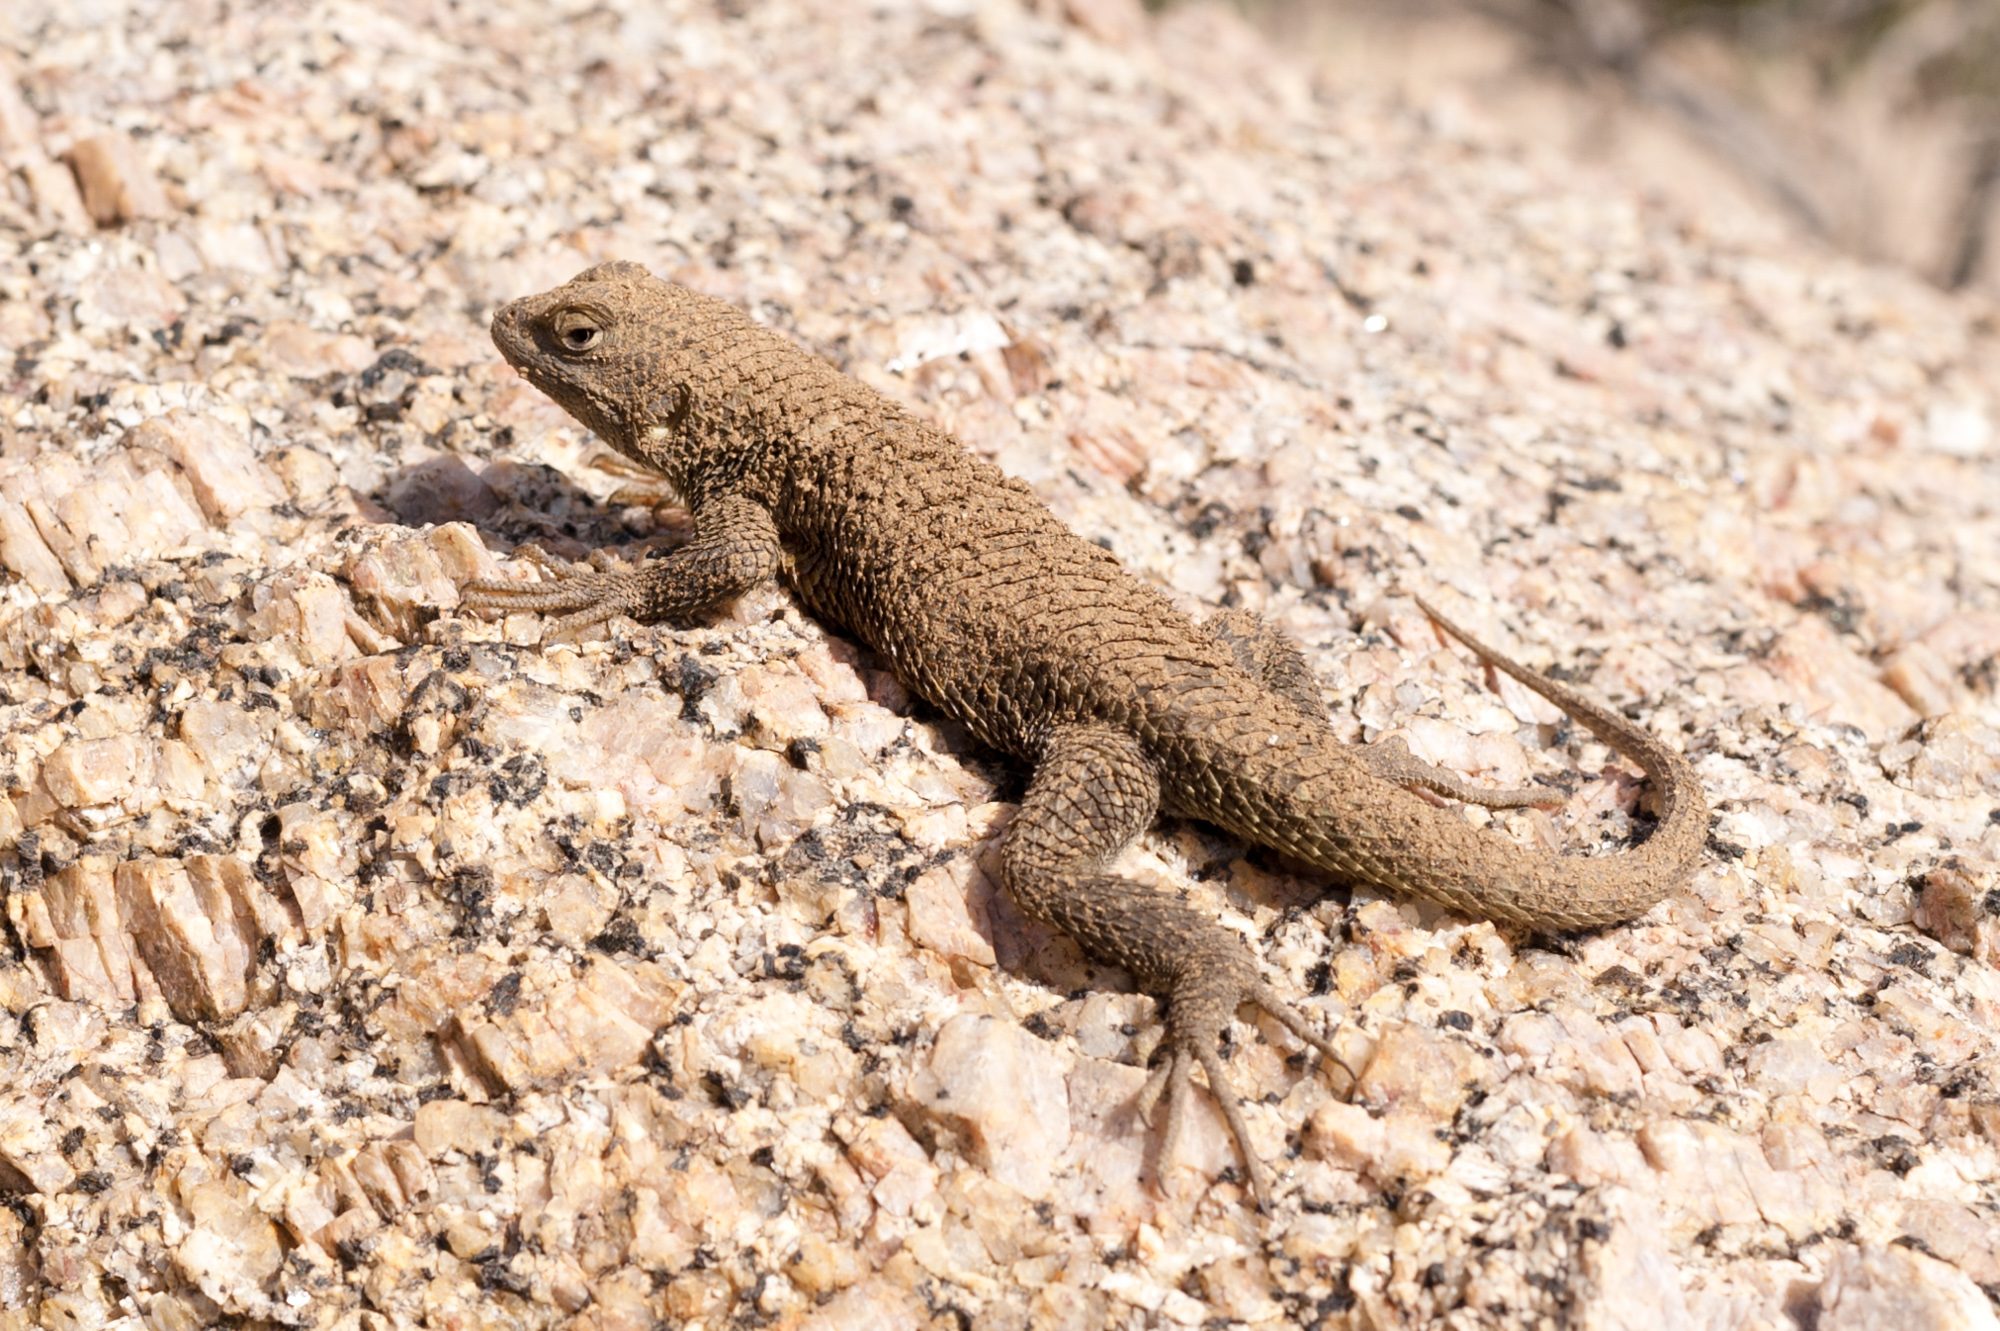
(505, 320)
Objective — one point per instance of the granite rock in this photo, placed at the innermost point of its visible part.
(371, 965)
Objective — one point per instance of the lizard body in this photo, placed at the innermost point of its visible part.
(987, 606)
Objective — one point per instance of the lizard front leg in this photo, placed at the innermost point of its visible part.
(1269, 653)
(1092, 793)
(735, 547)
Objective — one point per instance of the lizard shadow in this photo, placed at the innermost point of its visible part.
(512, 503)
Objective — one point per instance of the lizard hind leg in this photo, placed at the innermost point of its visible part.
(1092, 793)
(1271, 654)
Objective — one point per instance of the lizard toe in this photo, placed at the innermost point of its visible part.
(584, 595)
(1168, 1071)
(1231, 1105)
(588, 616)
(1271, 1001)
(552, 566)
(567, 595)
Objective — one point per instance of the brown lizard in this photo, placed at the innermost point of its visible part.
(984, 604)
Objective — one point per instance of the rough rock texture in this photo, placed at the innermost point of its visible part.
(367, 965)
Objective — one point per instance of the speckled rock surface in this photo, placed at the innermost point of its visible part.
(366, 965)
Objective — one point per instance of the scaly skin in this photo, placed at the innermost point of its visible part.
(1044, 647)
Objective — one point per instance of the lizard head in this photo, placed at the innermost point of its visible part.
(613, 346)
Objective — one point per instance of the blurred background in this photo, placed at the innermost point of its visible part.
(1873, 125)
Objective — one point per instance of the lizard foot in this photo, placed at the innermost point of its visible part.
(1199, 1007)
(1392, 760)
(584, 594)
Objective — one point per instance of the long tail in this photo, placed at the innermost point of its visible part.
(1580, 892)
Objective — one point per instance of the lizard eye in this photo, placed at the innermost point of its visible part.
(577, 332)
